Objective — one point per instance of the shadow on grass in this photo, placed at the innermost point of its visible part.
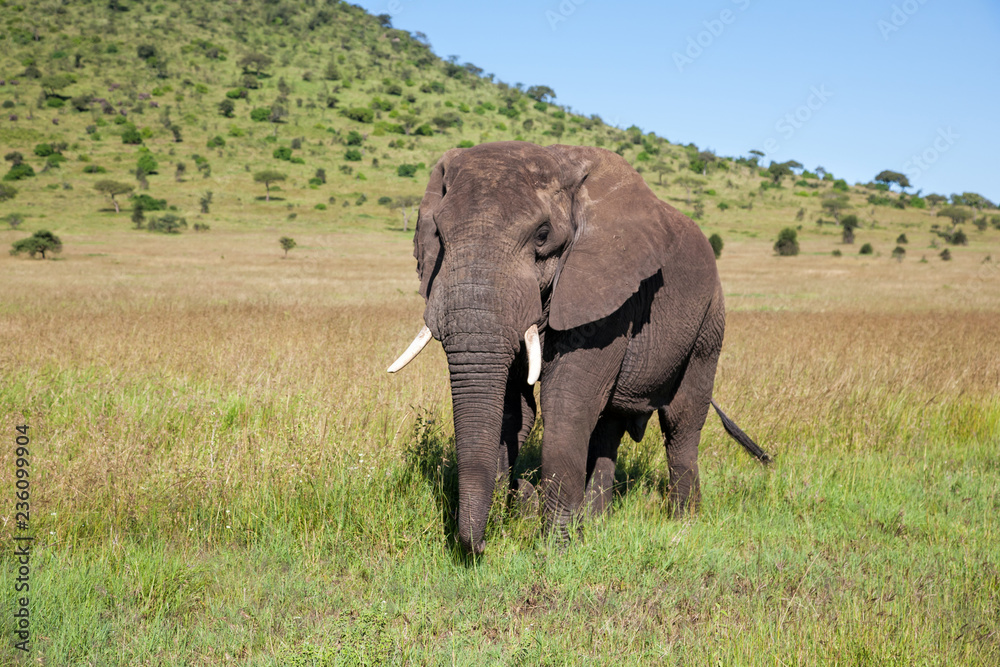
(263, 198)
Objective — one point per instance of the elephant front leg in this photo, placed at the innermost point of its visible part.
(601, 460)
(518, 418)
(570, 422)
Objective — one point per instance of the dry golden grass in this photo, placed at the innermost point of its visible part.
(192, 397)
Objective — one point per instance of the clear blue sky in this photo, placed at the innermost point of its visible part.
(853, 86)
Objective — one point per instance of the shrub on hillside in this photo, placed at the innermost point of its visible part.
(282, 153)
(19, 172)
(866, 249)
(716, 242)
(787, 244)
(131, 135)
(352, 155)
(260, 114)
(406, 170)
(360, 114)
(216, 142)
(148, 203)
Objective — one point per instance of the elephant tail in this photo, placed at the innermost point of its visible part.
(737, 434)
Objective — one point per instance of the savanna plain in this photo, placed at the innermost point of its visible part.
(223, 473)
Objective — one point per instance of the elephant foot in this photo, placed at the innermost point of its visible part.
(526, 497)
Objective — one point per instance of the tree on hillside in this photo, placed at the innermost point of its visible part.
(267, 177)
(661, 168)
(40, 242)
(113, 189)
(287, 243)
(255, 63)
(404, 202)
(689, 182)
(540, 93)
(849, 223)
(7, 192)
(835, 204)
(777, 170)
(757, 155)
(973, 199)
(956, 214)
(53, 83)
(887, 178)
(934, 199)
(227, 107)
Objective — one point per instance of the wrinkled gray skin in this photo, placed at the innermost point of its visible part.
(626, 295)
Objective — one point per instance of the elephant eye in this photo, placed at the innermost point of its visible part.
(542, 234)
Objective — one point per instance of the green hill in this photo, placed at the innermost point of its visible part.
(200, 97)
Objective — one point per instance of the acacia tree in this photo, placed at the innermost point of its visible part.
(287, 243)
(688, 182)
(835, 204)
(956, 214)
(404, 202)
(539, 93)
(113, 189)
(255, 63)
(887, 178)
(267, 177)
(42, 241)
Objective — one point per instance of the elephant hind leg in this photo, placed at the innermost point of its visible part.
(681, 422)
(602, 455)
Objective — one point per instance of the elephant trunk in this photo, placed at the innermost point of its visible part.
(477, 390)
(472, 312)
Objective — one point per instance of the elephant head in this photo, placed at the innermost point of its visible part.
(513, 239)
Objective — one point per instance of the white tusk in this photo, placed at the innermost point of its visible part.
(534, 353)
(419, 343)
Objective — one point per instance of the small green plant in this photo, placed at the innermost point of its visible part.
(282, 153)
(866, 249)
(901, 239)
(837, 253)
(716, 242)
(787, 244)
(216, 142)
(352, 155)
(406, 170)
(260, 114)
(466, 144)
(945, 255)
(40, 242)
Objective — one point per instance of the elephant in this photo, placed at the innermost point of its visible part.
(559, 265)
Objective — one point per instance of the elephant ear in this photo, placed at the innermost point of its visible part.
(426, 243)
(622, 234)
